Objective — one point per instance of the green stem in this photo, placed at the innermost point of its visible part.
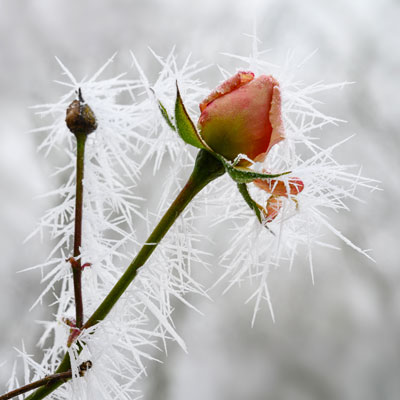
(206, 169)
(76, 264)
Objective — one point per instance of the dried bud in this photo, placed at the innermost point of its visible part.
(80, 118)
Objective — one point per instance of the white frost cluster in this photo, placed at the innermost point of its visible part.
(130, 134)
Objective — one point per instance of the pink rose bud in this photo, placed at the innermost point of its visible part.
(279, 188)
(243, 116)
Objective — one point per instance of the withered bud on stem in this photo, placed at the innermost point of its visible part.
(80, 118)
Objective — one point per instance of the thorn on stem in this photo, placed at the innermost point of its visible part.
(88, 264)
(76, 265)
(69, 322)
(74, 331)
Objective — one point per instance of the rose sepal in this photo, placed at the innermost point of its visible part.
(165, 115)
(185, 127)
(243, 174)
(250, 202)
(260, 211)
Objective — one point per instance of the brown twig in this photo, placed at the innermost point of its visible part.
(76, 265)
(81, 121)
(62, 376)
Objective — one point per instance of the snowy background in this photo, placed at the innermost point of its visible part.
(338, 339)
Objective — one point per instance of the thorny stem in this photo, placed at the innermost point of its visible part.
(47, 380)
(76, 265)
(206, 169)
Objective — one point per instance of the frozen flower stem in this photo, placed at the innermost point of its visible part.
(206, 169)
(81, 121)
(76, 262)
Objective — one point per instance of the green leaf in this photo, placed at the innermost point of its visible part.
(244, 174)
(184, 125)
(164, 113)
(250, 202)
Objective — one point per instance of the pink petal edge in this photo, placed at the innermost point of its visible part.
(239, 79)
(275, 118)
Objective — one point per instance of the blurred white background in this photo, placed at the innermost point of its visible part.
(338, 339)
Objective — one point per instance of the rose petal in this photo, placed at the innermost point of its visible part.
(274, 205)
(275, 118)
(280, 188)
(239, 121)
(236, 81)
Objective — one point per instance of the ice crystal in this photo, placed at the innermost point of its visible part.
(131, 133)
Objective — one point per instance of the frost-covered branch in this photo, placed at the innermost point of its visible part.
(81, 122)
(46, 381)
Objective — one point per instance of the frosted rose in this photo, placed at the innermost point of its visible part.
(243, 116)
